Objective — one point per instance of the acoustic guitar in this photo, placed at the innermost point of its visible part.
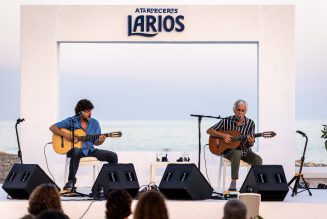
(218, 146)
(61, 145)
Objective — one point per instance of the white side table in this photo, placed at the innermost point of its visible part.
(154, 165)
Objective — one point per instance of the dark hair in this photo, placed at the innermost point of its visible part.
(28, 216)
(45, 196)
(118, 204)
(82, 105)
(151, 205)
(234, 209)
(52, 214)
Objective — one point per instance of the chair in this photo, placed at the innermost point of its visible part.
(252, 202)
(224, 163)
(85, 161)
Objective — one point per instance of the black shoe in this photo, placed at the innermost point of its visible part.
(232, 186)
(69, 185)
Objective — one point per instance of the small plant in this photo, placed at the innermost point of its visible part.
(324, 134)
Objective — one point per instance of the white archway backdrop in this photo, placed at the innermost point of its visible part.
(271, 27)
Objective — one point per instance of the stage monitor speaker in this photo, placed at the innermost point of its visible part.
(186, 182)
(23, 179)
(115, 176)
(267, 180)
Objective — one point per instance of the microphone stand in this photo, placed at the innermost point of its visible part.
(72, 145)
(72, 129)
(299, 175)
(19, 153)
(199, 128)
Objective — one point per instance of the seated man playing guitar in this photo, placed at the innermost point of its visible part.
(244, 126)
(90, 126)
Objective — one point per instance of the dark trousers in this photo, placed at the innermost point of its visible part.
(76, 154)
(235, 156)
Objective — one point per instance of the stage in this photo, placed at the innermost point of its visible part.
(300, 206)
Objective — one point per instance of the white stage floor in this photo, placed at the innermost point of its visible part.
(300, 206)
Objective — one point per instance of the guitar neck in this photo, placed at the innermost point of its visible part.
(89, 137)
(96, 136)
(243, 137)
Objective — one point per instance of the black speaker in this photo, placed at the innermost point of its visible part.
(115, 176)
(184, 181)
(23, 179)
(268, 180)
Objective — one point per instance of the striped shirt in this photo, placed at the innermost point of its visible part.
(246, 128)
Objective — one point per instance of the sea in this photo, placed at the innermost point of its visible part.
(176, 136)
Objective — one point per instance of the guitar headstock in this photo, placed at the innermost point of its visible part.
(268, 134)
(115, 134)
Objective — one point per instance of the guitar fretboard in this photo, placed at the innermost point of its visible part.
(88, 137)
(92, 137)
(243, 137)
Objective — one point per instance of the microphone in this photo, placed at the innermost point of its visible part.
(79, 114)
(232, 119)
(19, 120)
(301, 133)
(237, 118)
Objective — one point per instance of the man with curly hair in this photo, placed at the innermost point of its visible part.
(89, 125)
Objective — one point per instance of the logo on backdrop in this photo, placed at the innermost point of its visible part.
(148, 22)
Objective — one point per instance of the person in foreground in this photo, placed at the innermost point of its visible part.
(234, 209)
(52, 214)
(151, 204)
(89, 125)
(118, 204)
(43, 197)
(245, 126)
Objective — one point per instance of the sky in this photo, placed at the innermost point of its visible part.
(169, 81)
(311, 73)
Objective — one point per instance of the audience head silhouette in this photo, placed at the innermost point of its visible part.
(151, 205)
(45, 196)
(234, 209)
(118, 204)
(52, 214)
(28, 216)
